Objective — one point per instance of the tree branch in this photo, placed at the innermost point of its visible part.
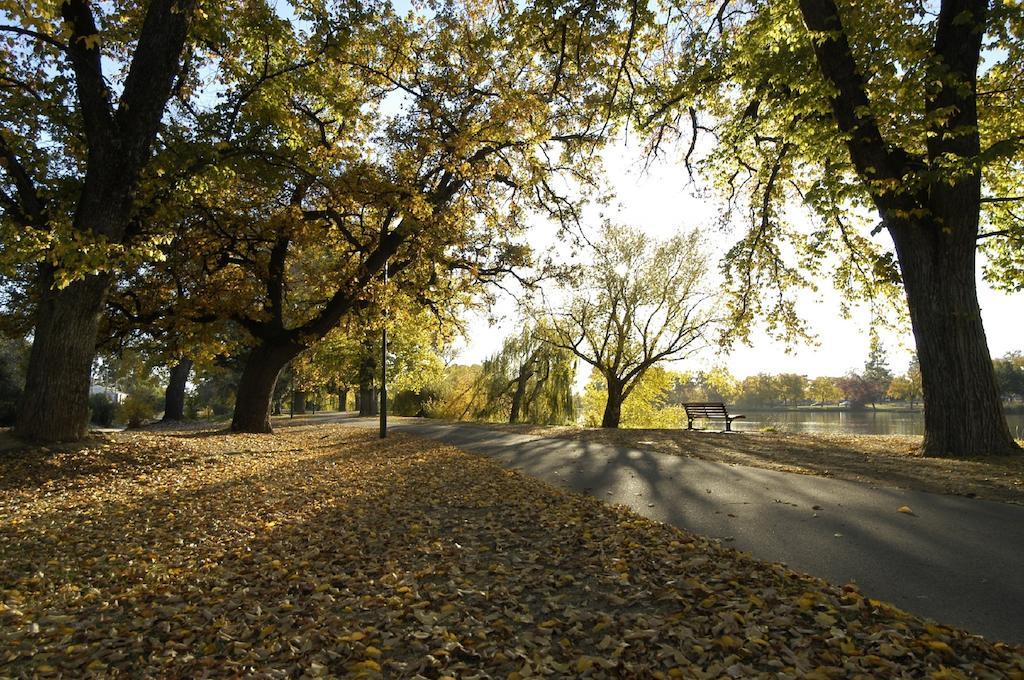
(42, 37)
(83, 50)
(872, 156)
(155, 64)
(1002, 199)
(33, 207)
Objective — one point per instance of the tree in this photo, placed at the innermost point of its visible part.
(328, 366)
(686, 387)
(647, 405)
(907, 387)
(791, 387)
(78, 190)
(529, 380)
(640, 303)
(147, 310)
(857, 391)
(914, 374)
(297, 232)
(902, 389)
(132, 372)
(719, 384)
(876, 371)
(823, 390)
(763, 389)
(13, 353)
(861, 107)
(458, 393)
(349, 355)
(174, 395)
(1010, 375)
(216, 385)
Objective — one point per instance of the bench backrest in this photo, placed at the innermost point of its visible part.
(705, 409)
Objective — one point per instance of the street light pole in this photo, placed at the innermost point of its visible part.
(383, 382)
(384, 357)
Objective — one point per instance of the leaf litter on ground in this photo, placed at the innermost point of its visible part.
(323, 551)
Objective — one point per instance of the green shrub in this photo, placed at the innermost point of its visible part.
(140, 406)
(102, 410)
(9, 408)
(410, 403)
(12, 377)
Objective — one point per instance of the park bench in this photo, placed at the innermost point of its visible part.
(708, 410)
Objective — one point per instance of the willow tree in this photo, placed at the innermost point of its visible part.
(529, 379)
(908, 111)
(641, 302)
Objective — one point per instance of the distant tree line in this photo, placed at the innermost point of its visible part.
(527, 381)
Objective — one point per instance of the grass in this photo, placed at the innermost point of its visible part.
(324, 551)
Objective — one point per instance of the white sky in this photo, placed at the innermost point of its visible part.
(659, 201)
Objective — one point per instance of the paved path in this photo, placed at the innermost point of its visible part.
(956, 560)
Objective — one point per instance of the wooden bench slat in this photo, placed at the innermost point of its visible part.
(707, 410)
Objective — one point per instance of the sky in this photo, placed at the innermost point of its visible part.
(659, 201)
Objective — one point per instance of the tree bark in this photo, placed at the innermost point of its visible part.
(256, 386)
(56, 402)
(174, 396)
(613, 407)
(298, 401)
(55, 406)
(365, 400)
(368, 405)
(343, 400)
(367, 374)
(517, 396)
(538, 387)
(367, 371)
(963, 415)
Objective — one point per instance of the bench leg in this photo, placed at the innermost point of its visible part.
(728, 424)
(689, 423)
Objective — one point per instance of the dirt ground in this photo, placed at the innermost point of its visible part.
(885, 460)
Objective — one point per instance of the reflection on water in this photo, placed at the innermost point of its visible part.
(852, 422)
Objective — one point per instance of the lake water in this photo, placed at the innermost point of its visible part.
(852, 422)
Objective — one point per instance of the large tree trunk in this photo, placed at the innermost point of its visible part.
(613, 407)
(298, 401)
(56, 403)
(368, 403)
(256, 387)
(962, 412)
(963, 415)
(343, 400)
(174, 396)
(517, 396)
(367, 371)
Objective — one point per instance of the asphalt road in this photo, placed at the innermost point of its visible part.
(957, 560)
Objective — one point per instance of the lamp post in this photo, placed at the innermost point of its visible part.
(384, 355)
(383, 382)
